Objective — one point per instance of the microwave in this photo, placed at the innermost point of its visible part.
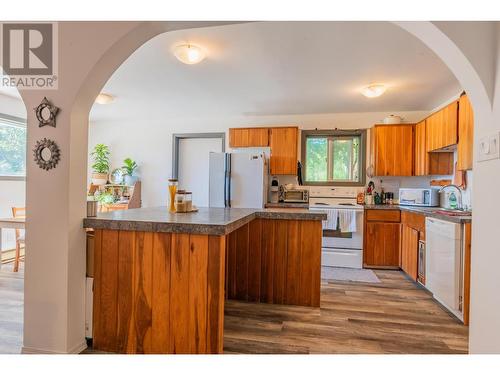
(419, 197)
(296, 196)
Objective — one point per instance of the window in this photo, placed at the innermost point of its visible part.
(333, 157)
(12, 147)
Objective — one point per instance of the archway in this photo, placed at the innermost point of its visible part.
(123, 45)
(13, 155)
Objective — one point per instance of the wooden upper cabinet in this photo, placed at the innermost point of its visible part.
(442, 128)
(465, 133)
(393, 150)
(283, 144)
(248, 137)
(421, 155)
(430, 163)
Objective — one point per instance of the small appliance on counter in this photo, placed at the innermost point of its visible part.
(293, 195)
(275, 190)
(419, 197)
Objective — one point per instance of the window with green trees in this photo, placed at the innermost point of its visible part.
(12, 149)
(332, 157)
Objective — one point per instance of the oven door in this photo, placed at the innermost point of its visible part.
(337, 239)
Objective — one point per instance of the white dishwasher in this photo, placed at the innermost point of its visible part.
(444, 263)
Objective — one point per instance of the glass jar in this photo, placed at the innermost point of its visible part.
(180, 201)
(188, 198)
(172, 189)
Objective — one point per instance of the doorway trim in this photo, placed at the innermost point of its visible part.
(175, 146)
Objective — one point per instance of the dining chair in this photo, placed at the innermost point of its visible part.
(19, 212)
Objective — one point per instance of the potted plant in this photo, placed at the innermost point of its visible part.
(129, 168)
(104, 198)
(100, 156)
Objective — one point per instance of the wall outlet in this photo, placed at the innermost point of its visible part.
(489, 147)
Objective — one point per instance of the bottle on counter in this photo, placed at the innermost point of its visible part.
(453, 201)
(172, 190)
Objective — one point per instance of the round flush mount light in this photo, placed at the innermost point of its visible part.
(104, 98)
(189, 53)
(373, 90)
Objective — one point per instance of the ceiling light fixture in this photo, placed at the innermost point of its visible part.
(104, 98)
(373, 90)
(189, 53)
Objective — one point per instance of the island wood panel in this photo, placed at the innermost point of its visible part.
(465, 134)
(255, 259)
(158, 292)
(288, 253)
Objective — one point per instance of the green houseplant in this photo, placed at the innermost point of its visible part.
(100, 167)
(129, 168)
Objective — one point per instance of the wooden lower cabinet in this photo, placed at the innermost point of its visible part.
(382, 242)
(409, 251)
(158, 292)
(412, 231)
(275, 261)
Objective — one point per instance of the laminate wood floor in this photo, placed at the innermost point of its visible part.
(11, 309)
(394, 316)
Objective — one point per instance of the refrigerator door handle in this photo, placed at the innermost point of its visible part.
(225, 180)
(228, 179)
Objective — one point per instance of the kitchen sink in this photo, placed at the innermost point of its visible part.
(453, 212)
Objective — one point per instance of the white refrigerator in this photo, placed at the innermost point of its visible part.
(238, 180)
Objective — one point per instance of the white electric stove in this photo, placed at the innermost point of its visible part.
(339, 249)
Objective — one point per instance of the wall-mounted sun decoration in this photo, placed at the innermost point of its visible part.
(46, 154)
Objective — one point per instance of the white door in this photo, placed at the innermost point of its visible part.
(194, 166)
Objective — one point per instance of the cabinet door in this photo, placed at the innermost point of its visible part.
(249, 137)
(283, 151)
(465, 134)
(382, 243)
(442, 128)
(393, 152)
(421, 156)
(409, 251)
(238, 137)
(258, 137)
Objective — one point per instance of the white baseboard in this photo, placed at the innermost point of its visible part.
(76, 350)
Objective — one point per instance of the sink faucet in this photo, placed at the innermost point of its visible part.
(459, 203)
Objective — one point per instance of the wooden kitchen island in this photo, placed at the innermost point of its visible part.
(161, 279)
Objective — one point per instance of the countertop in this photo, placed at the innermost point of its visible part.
(212, 221)
(427, 211)
(287, 205)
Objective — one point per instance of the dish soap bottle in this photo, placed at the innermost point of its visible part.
(452, 201)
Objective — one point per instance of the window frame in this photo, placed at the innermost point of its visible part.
(20, 122)
(335, 133)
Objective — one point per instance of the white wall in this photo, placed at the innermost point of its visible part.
(12, 193)
(149, 140)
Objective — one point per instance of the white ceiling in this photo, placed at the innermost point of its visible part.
(276, 68)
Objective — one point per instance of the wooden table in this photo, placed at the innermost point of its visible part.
(10, 223)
